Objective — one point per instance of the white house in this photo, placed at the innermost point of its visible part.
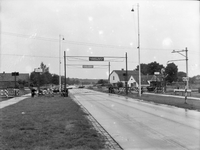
(133, 77)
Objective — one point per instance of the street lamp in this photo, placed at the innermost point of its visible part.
(60, 48)
(186, 59)
(138, 50)
(187, 78)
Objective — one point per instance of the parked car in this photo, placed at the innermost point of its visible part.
(71, 87)
(81, 86)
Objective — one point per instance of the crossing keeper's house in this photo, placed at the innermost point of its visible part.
(133, 78)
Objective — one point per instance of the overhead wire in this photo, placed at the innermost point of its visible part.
(36, 37)
(17, 55)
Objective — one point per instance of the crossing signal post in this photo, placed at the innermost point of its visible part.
(15, 74)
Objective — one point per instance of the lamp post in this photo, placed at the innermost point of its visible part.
(60, 48)
(186, 59)
(138, 50)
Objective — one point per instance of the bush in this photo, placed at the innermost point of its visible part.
(119, 84)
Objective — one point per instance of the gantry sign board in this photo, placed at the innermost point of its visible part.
(88, 66)
(96, 58)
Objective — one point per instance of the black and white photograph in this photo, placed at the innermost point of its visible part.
(99, 75)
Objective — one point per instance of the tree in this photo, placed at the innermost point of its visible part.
(171, 70)
(150, 68)
(119, 84)
(154, 67)
(55, 79)
(22, 83)
(44, 67)
(40, 79)
(101, 81)
(144, 68)
(180, 76)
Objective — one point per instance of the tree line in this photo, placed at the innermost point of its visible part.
(45, 77)
(171, 73)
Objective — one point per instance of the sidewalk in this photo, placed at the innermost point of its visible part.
(13, 100)
(192, 103)
(176, 96)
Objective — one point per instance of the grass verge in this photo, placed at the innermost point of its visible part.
(47, 123)
(172, 101)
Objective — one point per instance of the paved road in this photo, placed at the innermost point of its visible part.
(140, 125)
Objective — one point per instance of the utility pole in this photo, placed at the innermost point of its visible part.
(126, 82)
(66, 92)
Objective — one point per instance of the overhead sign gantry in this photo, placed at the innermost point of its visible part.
(92, 66)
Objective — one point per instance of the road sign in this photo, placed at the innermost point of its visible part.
(15, 73)
(96, 58)
(38, 70)
(185, 78)
(88, 66)
(156, 73)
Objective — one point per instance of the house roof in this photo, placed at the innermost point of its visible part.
(134, 73)
(9, 77)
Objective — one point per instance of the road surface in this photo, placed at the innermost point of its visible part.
(138, 125)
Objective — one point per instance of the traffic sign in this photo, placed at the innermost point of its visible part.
(185, 78)
(15, 73)
(156, 73)
(88, 66)
(38, 70)
(96, 58)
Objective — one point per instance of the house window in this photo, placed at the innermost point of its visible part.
(113, 77)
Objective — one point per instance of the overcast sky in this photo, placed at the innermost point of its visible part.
(30, 32)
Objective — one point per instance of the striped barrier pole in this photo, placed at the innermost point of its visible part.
(6, 92)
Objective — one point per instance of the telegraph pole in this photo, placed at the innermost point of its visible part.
(66, 92)
(126, 82)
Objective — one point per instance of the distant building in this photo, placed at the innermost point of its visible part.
(8, 81)
(133, 77)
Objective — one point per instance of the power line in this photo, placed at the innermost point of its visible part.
(17, 55)
(36, 37)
